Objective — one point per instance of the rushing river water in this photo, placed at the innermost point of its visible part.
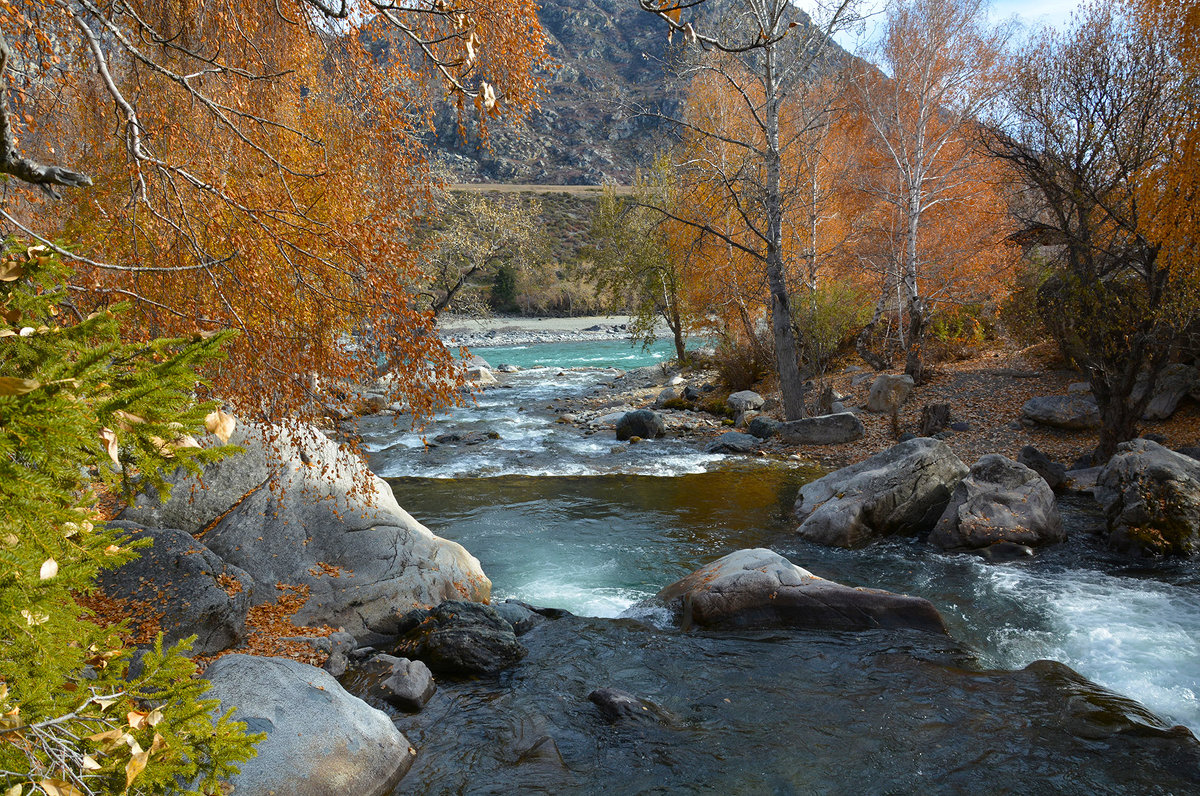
(563, 520)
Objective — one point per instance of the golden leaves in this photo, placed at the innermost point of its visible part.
(49, 569)
(220, 424)
(109, 438)
(12, 385)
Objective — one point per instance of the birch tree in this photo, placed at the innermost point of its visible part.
(757, 51)
(942, 67)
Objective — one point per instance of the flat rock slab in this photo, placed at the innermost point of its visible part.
(760, 588)
(320, 740)
(1074, 412)
(822, 430)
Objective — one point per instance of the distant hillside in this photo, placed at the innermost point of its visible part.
(581, 135)
(612, 56)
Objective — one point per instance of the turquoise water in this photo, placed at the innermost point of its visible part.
(580, 354)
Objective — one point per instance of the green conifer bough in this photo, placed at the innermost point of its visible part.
(79, 407)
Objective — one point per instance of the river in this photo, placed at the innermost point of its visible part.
(565, 520)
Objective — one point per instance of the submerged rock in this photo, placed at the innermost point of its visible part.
(299, 510)
(617, 705)
(760, 588)
(192, 591)
(1151, 499)
(640, 423)
(459, 638)
(822, 430)
(320, 739)
(999, 501)
(902, 490)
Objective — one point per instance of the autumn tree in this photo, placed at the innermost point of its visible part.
(941, 67)
(1094, 131)
(642, 262)
(756, 52)
(253, 167)
(479, 235)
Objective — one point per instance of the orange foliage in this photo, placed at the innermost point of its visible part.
(258, 166)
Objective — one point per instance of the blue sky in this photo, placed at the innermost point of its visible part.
(1030, 14)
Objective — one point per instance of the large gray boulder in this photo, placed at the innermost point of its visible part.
(760, 588)
(1074, 412)
(746, 399)
(641, 423)
(297, 509)
(1151, 499)
(1173, 383)
(188, 587)
(321, 741)
(822, 430)
(889, 392)
(999, 501)
(902, 490)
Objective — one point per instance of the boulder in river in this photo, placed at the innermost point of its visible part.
(641, 423)
(617, 705)
(295, 508)
(459, 638)
(889, 392)
(733, 442)
(746, 399)
(1075, 412)
(1151, 499)
(999, 501)
(320, 739)
(822, 430)
(902, 490)
(760, 588)
(189, 588)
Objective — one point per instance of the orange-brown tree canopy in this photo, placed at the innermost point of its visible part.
(253, 166)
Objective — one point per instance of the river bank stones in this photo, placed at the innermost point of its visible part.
(760, 588)
(999, 501)
(902, 490)
(640, 423)
(320, 739)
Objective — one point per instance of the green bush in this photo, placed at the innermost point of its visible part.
(78, 406)
(827, 321)
(1019, 314)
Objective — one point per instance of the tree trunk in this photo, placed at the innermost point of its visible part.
(787, 359)
(916, 336)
